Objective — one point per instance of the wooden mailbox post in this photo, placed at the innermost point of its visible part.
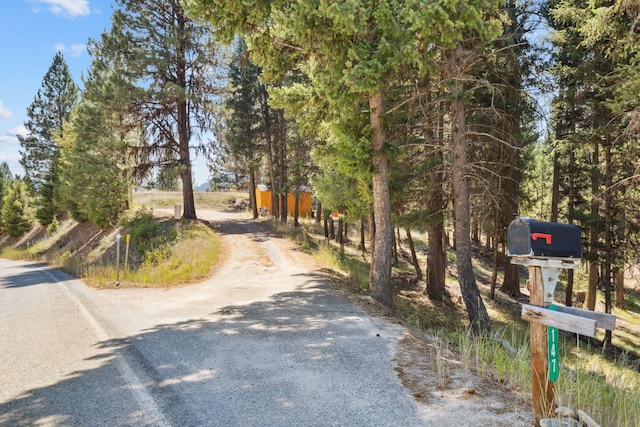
(546, 249)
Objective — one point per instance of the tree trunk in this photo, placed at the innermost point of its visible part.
(332, 229)
(362, 237)
(268, 134)
(282, 162)
(619, 283)
(284, 208)
(436, 240)
(296, 210)
(608, 236)
(318, 212)
(380, 273)
(592, 287)
(414, 256)
(372, 230)
(594, 232)
(555, 183)
(325, 216)
(494, 273)
(184, 137)
(568, 293)
(478, 316)
(395, 250)
(252, 193)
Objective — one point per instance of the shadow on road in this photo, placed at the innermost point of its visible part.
(300, 358)
(22, 280)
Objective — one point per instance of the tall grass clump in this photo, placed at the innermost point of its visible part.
(608, 391)
(504, 356)
(189, 259)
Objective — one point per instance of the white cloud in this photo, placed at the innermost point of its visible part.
(4, 113)
(68, 8)
(18, 130)
(74, 50)
(6, 139)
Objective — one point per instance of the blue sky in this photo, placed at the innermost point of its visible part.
(31, 32)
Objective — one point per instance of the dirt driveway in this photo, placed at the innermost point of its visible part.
(257, 264)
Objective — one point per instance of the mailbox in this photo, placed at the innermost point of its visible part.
(528, 237)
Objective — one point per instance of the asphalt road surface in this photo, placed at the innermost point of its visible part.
(264, 342)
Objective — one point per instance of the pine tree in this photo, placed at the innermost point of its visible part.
(47, 114)
(17, 216)
(6, 178)
(245, 137)
(170, 62)
(353, 52)
(95, 171)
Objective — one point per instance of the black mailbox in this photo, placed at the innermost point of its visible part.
(532, 238)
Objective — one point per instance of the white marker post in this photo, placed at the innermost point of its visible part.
(118, 237)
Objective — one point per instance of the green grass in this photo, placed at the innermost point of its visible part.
(609, 391)
(187, 258)
(158, 256)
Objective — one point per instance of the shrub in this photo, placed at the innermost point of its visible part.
(17, 217)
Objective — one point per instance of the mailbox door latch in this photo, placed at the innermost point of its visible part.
(545, 236)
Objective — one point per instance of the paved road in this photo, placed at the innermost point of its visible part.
(264, 342)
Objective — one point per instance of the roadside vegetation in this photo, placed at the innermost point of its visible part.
(427, 122)
(606, 387)
(161, 253)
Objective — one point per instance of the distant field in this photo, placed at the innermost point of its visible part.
(203, 199)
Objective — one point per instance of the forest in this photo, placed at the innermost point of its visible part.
(448, 116)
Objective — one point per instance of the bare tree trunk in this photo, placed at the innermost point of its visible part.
(594, 233)
(372, 230)
(555, 186)
(363, 247)
(494, 273)
(619, 283)
(414, 256)
(318, 212)
(252, 193)
(281, 134)
(478, 316)
(380, 274)
(327, 234)
(396, 243)
(436, 239)
(608, 236)
(332, 230)
(296, 209)
(568, 293)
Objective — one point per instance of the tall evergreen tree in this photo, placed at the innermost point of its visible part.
(47, 113)
(171, 63)
(244, 131)
(352, 53)
(95, 173)
(6, 178)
